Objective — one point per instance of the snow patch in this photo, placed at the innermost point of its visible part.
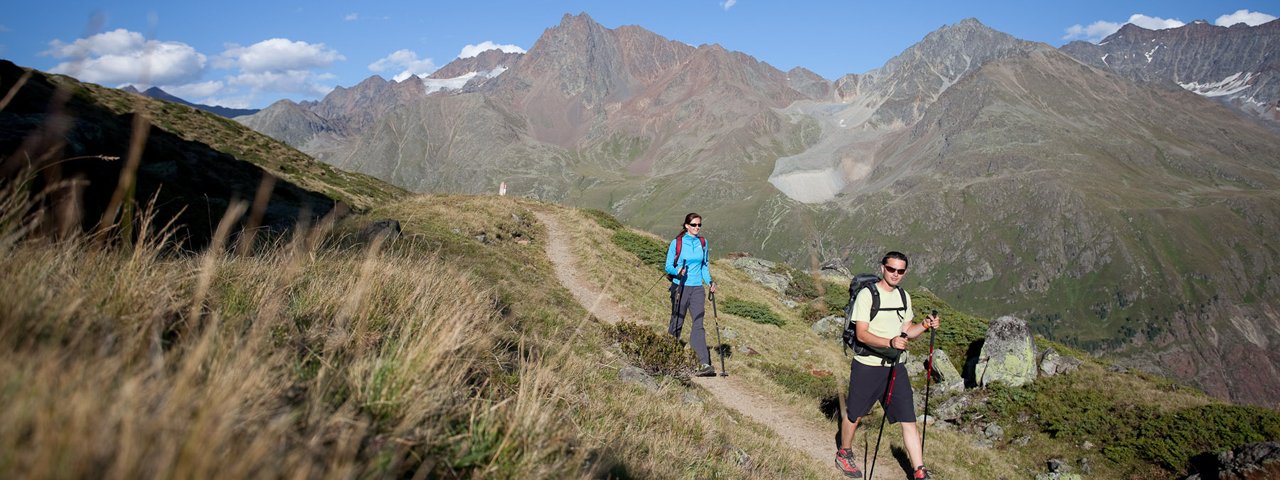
(456, 83)
(1104, 59)
(1152, 52)
(1228, 86)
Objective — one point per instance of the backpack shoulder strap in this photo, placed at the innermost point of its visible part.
(903, 293)
(875, 300)
(679, 242)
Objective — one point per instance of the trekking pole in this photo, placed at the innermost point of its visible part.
(654, 284)
(719, 344)
(677, 315)
(928, 381)
(888, 397)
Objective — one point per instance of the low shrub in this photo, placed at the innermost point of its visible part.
(653, 352)
(651, 252)
(756, 312)
(605, 219)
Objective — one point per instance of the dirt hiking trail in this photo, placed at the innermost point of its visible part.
(814, 439)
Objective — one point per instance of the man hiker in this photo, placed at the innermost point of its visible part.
(687, 266)
(876, 365)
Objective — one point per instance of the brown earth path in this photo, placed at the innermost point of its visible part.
(807, 436)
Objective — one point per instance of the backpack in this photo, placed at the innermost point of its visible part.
(850, 336)
(680, 242)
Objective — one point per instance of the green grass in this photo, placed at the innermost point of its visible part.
(651, 252)
(754, 311)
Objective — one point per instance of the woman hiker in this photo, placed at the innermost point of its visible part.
(688, 269)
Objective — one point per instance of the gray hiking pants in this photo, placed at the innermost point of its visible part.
(692, 302)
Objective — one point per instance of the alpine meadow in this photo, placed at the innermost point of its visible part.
(337, 288)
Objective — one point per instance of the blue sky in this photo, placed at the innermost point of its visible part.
(250, 54)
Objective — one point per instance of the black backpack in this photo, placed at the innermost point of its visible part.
(850, 336)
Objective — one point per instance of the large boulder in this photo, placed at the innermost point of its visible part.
(1248, 462)
(1051, 363)
(762, 272)
(1008, 354)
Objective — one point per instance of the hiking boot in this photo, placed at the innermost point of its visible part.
(844, 461)
(705, 371)
(921, 474)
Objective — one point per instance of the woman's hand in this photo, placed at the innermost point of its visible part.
(713, 287)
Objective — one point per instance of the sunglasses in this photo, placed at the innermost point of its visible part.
(899, 271)
(695, 224)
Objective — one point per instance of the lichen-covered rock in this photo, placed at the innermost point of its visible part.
(831, 326)
(761, 271)
(945, 375)
(1008, 354)
(1051, 363)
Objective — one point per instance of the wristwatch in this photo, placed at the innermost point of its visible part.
(903, 334)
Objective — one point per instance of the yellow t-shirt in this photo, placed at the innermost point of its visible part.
(888, 323)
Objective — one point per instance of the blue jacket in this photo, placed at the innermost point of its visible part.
(693, 256)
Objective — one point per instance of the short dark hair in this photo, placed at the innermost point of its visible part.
(897, 255)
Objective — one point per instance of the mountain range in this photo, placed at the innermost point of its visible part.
(1120, 206)
(157, 93)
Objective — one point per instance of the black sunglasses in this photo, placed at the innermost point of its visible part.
(899, 271)
(695, 224)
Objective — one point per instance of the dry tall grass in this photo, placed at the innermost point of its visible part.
(301, 361)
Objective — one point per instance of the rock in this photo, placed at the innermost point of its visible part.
(1252, 461)
(729, 333)
(1057, 465)
(831, 326)
(761, 271)
(637, 376)
(1087, 445)
(789, 303)
(736, 255)
(1059, 476)
(993, 432)
(951, 408)
(1008, 354)
(387, 229)
(835, 271)
(945, 376)
(1086, 465)
(1051, 363)
(1022, 441)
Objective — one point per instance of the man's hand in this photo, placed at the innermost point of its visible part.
(932, 321)
(713, 287)
(899, 343)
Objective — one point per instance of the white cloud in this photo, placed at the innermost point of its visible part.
(407, 62)
(278, 55)
(1100, 29)
(287, 81)
(193, 90)
(727, 4)
(473, 50)
(1095, 32)
(121, 56)
(1246, 17)
(351, 17)
(1154, 23)
(229, 102)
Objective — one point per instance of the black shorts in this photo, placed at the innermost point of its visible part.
(868, 385)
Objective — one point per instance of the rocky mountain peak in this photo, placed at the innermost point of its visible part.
(1235, 65)
(907, 83)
